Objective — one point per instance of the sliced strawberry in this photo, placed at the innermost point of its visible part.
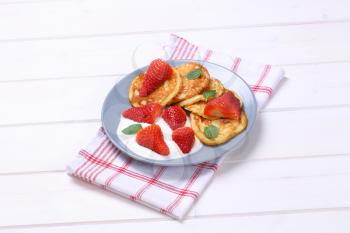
(152, 138)
(157, 73)
(148, 113)
(175, 116)
(225, 106)
(184, 138)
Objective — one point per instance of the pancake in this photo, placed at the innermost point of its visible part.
(190, 88)
(162, 95)
(214, 84)
(192, 100)
(227, 128)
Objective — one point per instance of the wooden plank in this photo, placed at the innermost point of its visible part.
(69, 100)
(313, 85)
(89, 17)
(43, 147)
(275, 185)
(276, 135)
(56, 197)
(243, 188)
(115, 54)
(321, 222)
(81, 99)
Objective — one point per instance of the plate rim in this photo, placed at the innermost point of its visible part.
(169, 162)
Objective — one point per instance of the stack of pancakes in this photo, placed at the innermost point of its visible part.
(188, 93)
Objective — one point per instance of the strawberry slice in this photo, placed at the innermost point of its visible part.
(148, 113)
(152, 138)
(225, 106)
(184, 138)
(157, 73)
(175, 116)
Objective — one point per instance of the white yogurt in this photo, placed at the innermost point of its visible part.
(130, 140)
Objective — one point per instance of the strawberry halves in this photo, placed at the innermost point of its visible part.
(184, 138)
(175, 116)
(157, 73)
(148, 113)
(225, 106)
(152, 138)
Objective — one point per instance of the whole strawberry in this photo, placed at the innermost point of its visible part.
(157, 73)
(174, 116)
(148, 113)
(152, 138)
(184, 138)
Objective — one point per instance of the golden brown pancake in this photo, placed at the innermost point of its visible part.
(214, 84)
(190, 88)
(162, 95)
(227, 128)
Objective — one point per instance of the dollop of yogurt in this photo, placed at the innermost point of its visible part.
(131, 144)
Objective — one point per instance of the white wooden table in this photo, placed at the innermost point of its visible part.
(58, 59)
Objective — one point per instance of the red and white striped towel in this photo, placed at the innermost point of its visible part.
(170, 190)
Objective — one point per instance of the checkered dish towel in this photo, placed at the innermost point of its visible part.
(170, 190)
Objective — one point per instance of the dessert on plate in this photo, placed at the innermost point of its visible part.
(176, 95)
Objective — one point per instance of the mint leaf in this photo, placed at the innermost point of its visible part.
(132, 129)
(211, 131)
(209, 94)
(196, 73)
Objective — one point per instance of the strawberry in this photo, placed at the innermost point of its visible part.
(184, 138)
(157, 73)
(152, 138)
(175, 116)
(225, 106)
(148, 113)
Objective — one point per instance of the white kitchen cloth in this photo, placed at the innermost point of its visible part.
(170, 190)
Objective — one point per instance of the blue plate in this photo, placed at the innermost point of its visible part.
(117, 101)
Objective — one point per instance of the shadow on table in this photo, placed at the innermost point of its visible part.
(244, 152)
